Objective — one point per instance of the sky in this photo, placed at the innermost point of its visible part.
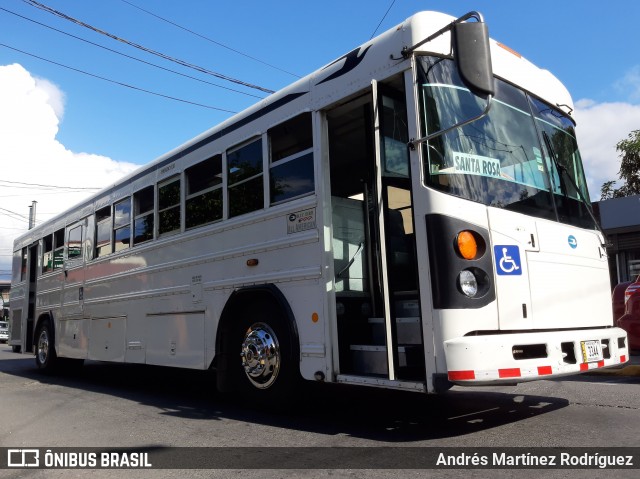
(75, 115)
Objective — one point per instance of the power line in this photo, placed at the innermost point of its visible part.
(209, 39)
(116, 82)
(14, 215)
(129, 56)
(382, 20)
(57, 13)
(23, 185)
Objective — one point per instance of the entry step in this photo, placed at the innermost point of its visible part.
(372, 359)
(407, 331)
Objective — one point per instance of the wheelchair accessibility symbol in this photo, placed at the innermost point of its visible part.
(508, 260)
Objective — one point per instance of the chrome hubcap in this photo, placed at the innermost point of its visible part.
(43, 346)
(260, 355)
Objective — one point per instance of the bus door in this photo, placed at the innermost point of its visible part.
(373, 242)
(71, 327)
(25, 322)
(73, 291)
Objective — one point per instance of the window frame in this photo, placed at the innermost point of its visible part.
(45, 260)
(141, 215)
(178, 206)
(296, 151)
(79, 255)
(218, 180)
(120, 226)
(58, 249)
(105, 222)
(236, 186)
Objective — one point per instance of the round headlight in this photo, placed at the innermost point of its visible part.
(468, 283)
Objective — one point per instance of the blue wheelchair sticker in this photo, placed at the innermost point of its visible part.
(507, 260)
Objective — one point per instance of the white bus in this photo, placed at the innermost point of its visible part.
(413, 215)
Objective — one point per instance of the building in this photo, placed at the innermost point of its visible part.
(620, 221)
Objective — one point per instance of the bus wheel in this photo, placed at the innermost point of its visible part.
(262, 361)
(261, 356)
(16, 349)
(45, 350)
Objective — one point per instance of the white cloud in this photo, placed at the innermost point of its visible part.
(629, 84)
(55, 96)
(30, 114)
(600, 127)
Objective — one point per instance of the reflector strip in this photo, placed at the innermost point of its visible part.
(528, 373)
(509, 373)
(544, 370)
(461, 375)
(587, 366)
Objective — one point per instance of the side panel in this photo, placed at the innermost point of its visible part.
(107, 339)
(175, 340)
(73, 338)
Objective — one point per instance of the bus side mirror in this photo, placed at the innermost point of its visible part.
(472, 55)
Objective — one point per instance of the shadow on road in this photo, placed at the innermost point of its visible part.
(374, 414)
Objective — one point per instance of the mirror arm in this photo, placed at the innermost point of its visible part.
(414, 142)
(407, 51)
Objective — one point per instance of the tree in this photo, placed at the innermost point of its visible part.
(629, 169)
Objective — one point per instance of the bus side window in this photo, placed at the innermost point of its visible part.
(169, 206)
(23, 265)
(203, 182)
(47, 255)
(103, 231)
(245, 189)
(122, 225)
(143, 204)
(291, 148)
(74, 243)
(58, 249)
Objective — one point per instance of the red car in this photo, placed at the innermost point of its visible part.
(626, 311)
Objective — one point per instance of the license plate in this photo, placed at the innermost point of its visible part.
(591, 351)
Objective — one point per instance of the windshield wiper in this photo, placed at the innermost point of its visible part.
(562, 172)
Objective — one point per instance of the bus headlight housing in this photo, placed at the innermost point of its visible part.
(473, 282)
(468, 283)
(458, 254)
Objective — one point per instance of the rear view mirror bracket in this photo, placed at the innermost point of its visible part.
(472, 54)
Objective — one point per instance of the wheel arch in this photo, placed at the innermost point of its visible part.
(268, 296)
(43, 318)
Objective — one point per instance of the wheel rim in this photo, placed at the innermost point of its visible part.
(43, 346)
(261, 355)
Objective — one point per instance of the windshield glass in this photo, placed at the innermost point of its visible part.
(500, 160)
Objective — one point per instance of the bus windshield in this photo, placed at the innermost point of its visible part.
(502, 159)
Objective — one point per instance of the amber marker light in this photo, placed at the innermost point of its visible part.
(467, 245)
(510, 50)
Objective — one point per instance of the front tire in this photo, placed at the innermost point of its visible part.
(262, 364)
(46, 356)
(261, 356)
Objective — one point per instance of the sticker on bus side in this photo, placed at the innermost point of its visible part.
(301, 221)
(507, 260)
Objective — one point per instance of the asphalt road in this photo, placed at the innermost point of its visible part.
(110, 405)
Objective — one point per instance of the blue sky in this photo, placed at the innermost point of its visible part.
(590, 47)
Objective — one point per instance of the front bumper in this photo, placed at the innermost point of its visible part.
(517, 357)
